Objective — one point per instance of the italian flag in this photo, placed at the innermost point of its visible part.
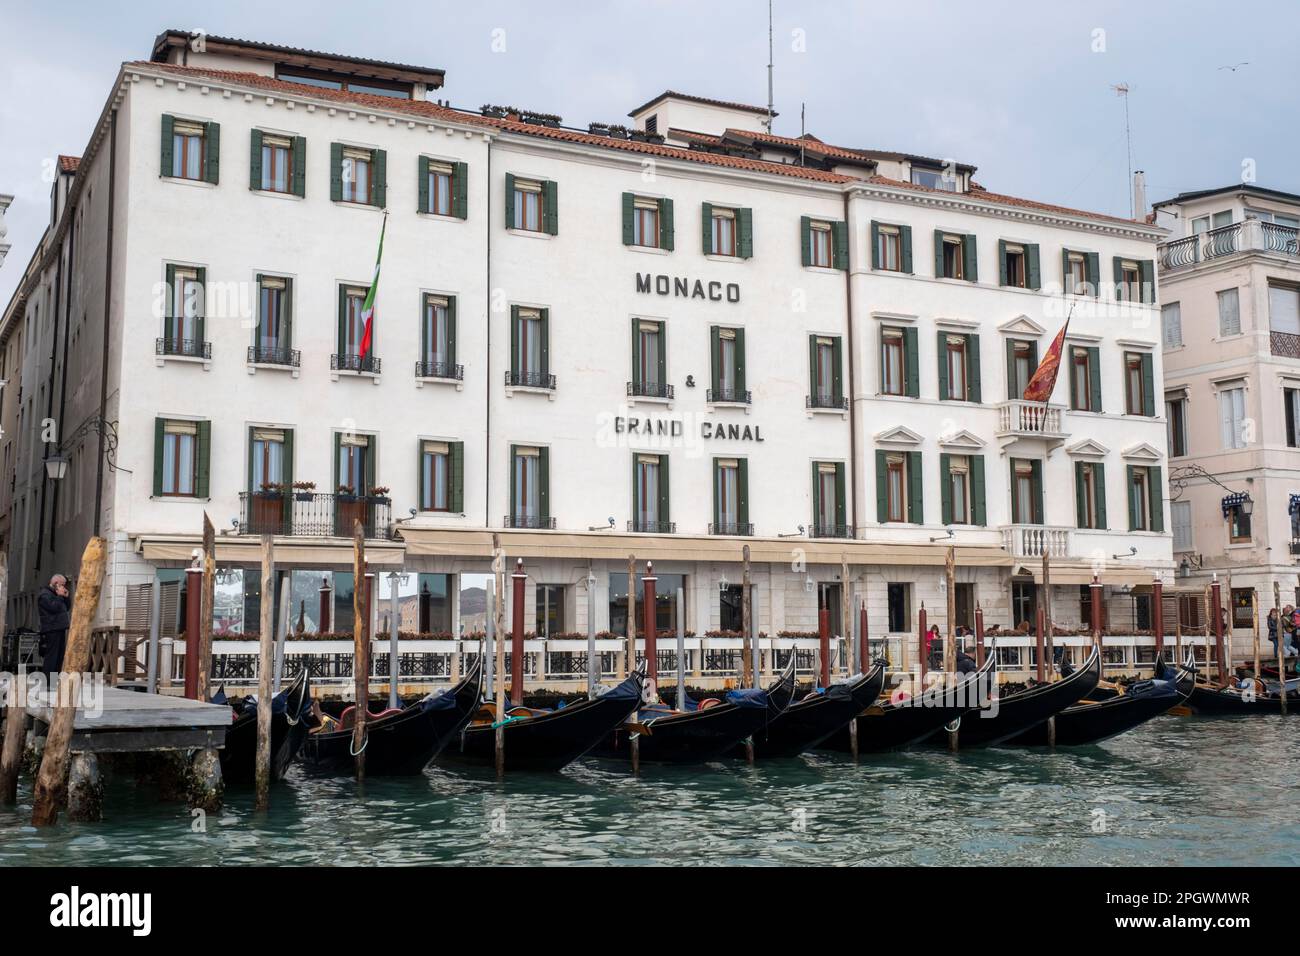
(368, 306)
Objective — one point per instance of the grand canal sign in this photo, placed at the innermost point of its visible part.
(675, 428)
(681, 287)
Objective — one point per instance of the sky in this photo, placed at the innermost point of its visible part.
(1022, 90)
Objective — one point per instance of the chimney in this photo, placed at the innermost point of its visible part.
(1139, 194)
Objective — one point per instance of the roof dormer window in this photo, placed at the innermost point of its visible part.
(944, 179)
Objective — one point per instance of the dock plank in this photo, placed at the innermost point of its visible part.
(129, 710)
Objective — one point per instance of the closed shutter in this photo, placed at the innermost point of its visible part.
(837, 365)
(451, 331)
(882, 486)
(664, 484)
(1146, 272)
(1002, 262)
(745, 233)
(666, 228)
(805, 240)
(1080, 497)
(255, 159)
(159, 430)
(978, 513)
(715, 358)
(706, 227)
(544, 482)
(212, 152)
(840, 245)
(1092, 272)
(1011, 371)
(905, 242)
(422, 184)
(456, 452)
(300, 165)
(1033, 271)
(203, 458)
(510, 201)
(1148, 386)
(1099, 489)
(742, 493)
(974, 390)
(875, 245)
(938, 254)
(379, 181)
(515, 365)
(546, 341)
(942, 354)
(915, 483)
(1156, 494)
(740, 360)
(550, 208)
(168, 145)
(1036, 475)
(945, 488)
(911, 359)
(460, 190)
(629, 212)
(969, 259)
(336, 172)
(1094, 377)
(841, 519)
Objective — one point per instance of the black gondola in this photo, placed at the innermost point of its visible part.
(547, 740)
(912, 720)
(808, 722)
(288, 730)
(1235, 701)
(399, 742)
(1022, 711)
(1092, 722)
(707, 733)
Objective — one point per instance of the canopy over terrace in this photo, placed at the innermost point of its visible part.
(178, 550)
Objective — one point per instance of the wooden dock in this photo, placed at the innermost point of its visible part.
(131, 722)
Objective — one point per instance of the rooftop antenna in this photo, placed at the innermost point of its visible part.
(1121, 89)
(803, 131)
(768, 123)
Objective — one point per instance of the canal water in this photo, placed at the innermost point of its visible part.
(1176, 791)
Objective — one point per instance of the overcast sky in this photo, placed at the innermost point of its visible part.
(1021, 90)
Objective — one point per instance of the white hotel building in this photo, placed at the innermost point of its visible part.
(671, 341)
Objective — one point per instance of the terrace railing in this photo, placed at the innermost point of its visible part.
(312, 514)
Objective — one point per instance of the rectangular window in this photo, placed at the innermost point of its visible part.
(188, 145)
(1284, 309)
(1081, 380)
(1238, 525)
(727, 491)
(820, 244)
(1090, 495)
(724, 231)
(435, 476)
(1134, 384)
(892, 362)
(1024, 361)
(550, 610)
(825, 373)
(827, 500)
(1129, 288)
(273, 337)
(649, 354)
(530, 338)
(954, 258)
(1026, 493)
(955, 356)
(185, 312)
(728, 366)
(1140, 499)
(440, 188)
(277, 163)
(935, 179)
(1013, 264)
(436, 337)
(528, 202)
(526, 506)
(358, 175)
(354, 465)
(1232, 417)
(645, 223)
(1076, 274)
(353, 325)
(267, 465)
(650, 494)
(959, 488)
(1176, 417)
(1229, 313)
(896, 488)
(1291, 411)
(1171, 324)
(180, 458)
(889, 246)
(1181, 514)
(900, 609)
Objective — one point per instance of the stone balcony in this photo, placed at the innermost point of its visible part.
(1035, 540)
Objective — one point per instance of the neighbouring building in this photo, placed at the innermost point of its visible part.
(672, 339)
(1230, 300)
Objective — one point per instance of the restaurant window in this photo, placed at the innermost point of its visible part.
(900, 607)
(190, 149)
(1026, 491)
(549, 610)
(1176, 419)
(1090, 494)
(1242, 612)
(731, 611)
(666, 586)
(1024, 603)
(432, 605)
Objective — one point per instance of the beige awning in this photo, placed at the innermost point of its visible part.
(441, 542)
(1083, 574)
(289, 552)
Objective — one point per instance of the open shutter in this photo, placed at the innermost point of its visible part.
(938, 253)
(840, 245)
(837, 366)
(715, 359)
(706, 227)
(636, 354)
(451, 330)
(629, 211)
(882, 486)
(905, 242)
(251, 448)
(945, 488)
(875, 245)
(740, 360)
(371, 454)
(168, 146)
(300, 165)
(286, 318)
(978, 513)
(1002, 262)
(969, 259)
(1116, 276)
(200, 320)
(1146, 272)
(337, 466)
(514, 340)
(1132, 498)
(544, 482)
(202, 459)
(1156, 494)
(742, 493)
(915, 497)
(169, 313)
(342, 319)
(379, 183)
(456, 451)
(805, 240)
(1092, 271)
(514, 457)
(841, 520)
(1033, 270)
(666, 228)
(509, 204)
(159, 430)
(1080, 497)
(286, 471)
(973, 387)
(745, 233)
(212, 152)
(664, 487)
(812, 365)
(1148, 386)
(661, 365)
(460, 190)
(421, 502)
(1036, 474)
(717, 503)
(546, 341)
(911, 360)
(942, 353)
(1094, 377)
(255, 159)
(550, 208)
(1011, 370)
(336, 172)
(1099, 488)
(422, 184)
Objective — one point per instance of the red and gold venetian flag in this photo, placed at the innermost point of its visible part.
(1043, 380)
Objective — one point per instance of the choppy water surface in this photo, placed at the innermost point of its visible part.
(1176, 791)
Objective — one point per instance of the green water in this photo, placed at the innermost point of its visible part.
(1176, 791)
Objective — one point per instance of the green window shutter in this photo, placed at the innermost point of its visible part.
(1132, 498)
(456, 450)
(200, 321)
(636, 353)
(1094, 376)
(841, 519)
(1092, 272)
(1036, 472)
(629, 211)
(715, 358)
(1011, 370)
(1033, 271)
(422, 184)
(905, 241)
(882, 486)
(742, 491)
(379, 183)
(203, 459)
(1148, 386)
(212, 154)
(664, 487)
(287, 464)
(745, 233)
(159, 430)
(706, 227)
(875, 245)
(370, 464)
(915, 499)
(257, 329)
(978, 514)
(514, 458)
(300, 165)
(251, 469)
(451, 329)
(1002, 262)
(255, 159)
(661, 366)
(169, 313)
(666, 228)
(544, 482)
(938, 253)
(740, 360)
(1099, 483)
(168, 145)
(812, 365)
(911, 359)
(1146, 272)
(421, 503)
(945, 489)
(510, 200)
(840, 246)
(1065, 269)
(287, 318)
(1080, 499)
(460, 190)
(805, 240)
(837, 366)
(546, 341)
(338, 459)
(1016, 516)
(974, 389)
(342, 317)
(1156, 492)
(969, 258)
(1116, 274)
(336, 172)
(514, 339)
(942, 353)
(717, 504)
(550, 208)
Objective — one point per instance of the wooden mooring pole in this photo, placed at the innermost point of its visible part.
(265, 678)
(204, 676)
(950, 641)
(1281, 639)
(1046, 604)
(11, 753)
(361, 649)
(1254, 632)
(52, 778)
(747, 676)
(499, 626)
(846, 617)
(1158, 616)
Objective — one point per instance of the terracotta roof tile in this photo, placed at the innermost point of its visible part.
(979, 192)
(69, 164)
(702, 99)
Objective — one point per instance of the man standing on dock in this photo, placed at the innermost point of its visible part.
(54, 606)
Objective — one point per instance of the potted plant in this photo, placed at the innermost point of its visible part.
(379, 495)
(347, 493)
(304, 490)
(271, 489)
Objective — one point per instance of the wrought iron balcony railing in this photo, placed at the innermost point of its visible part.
(534, 522)
(1250, 235)
(820, 529)
(650, 389)
(185, 348)
(647, 526)
(347, 362)
(1284, 239)
(1284, 344)
(273, 355)
(439, 370)
(311, 514)
(530, 380)
(729, 395)
(824, 400)
(745, 529)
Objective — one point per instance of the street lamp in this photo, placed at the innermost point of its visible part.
(56, 467)
(56, 464)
